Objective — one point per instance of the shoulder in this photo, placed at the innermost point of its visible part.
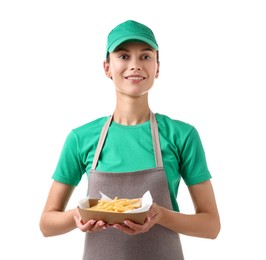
(88, 132)
(169, 124)
(176, 132)
(94, 126)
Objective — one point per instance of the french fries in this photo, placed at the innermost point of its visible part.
(117, 205)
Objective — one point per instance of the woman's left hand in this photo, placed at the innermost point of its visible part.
(132, 228)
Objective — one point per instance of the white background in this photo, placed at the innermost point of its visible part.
(213, 66)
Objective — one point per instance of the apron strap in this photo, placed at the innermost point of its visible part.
(155, 140)
(101, 142)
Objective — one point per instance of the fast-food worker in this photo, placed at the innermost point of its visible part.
(128, 153)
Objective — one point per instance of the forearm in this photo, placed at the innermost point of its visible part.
(55, 223)
(203, 225)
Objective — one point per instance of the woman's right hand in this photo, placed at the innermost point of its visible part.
(91, 225)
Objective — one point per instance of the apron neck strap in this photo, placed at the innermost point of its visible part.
(155, 140)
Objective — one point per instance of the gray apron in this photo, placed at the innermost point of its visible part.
(111, 244)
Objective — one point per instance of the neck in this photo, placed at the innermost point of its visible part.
(132, 112)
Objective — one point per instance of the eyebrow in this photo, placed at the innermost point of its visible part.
(127, 50)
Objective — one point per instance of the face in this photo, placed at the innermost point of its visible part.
(133, 67)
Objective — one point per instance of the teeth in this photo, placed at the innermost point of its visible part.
(135, 78)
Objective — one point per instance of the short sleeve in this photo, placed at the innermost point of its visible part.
(194, 167)
(69, 169)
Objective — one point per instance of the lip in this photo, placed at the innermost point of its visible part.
(135, 77)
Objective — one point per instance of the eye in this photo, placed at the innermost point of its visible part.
(123, 57)
(146, 57)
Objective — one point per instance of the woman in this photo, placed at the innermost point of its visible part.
(128, 153)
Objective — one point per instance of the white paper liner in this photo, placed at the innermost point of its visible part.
(146, 202)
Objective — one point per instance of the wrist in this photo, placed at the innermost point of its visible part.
(159, 213)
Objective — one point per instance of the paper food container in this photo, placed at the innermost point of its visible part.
(137, 215)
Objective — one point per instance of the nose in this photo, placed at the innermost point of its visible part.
(134, 65)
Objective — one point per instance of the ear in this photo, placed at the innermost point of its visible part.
(158, 70)
(106, 67)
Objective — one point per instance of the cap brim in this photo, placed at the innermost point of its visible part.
(121, 40)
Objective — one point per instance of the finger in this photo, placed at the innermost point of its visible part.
(84, 227)
(133, 225)
(124, 229)
(99, 225)
(149, 223)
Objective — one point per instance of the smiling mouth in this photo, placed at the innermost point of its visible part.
(135, 78)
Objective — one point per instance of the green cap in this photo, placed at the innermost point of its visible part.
(130, 31)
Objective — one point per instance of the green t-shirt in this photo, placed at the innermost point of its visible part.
(129, 148)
